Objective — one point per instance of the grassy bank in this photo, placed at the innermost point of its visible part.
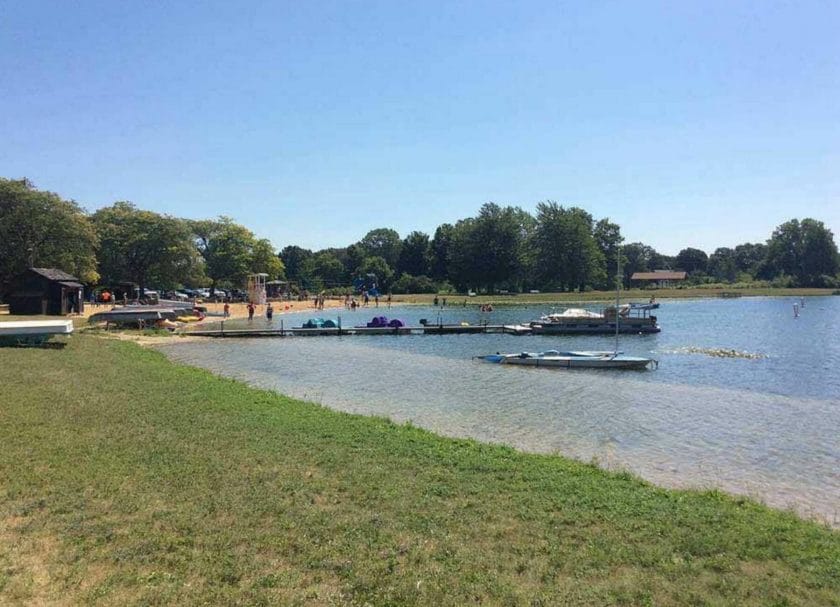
(127, 479)
(628, 295)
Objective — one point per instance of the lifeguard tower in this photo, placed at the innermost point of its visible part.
(256, 288)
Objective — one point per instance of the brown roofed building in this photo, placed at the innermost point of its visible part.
(45, 291)
(658, 278)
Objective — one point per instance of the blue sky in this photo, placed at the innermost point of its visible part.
(689, 123)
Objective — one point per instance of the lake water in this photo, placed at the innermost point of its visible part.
(764, 424)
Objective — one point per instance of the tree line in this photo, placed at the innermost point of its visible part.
(558, 248)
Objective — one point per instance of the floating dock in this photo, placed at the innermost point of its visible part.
(338, 331)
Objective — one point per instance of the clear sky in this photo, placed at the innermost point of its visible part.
(699, 124)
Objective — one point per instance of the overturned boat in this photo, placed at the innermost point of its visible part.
(32, 332)
(572, 360)
(141, 316)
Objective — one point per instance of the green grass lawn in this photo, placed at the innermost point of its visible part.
(126, 479)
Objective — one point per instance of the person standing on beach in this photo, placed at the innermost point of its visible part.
(251, 308)
(227, 310)
(389, 301)
(376, 300)
(269, 312)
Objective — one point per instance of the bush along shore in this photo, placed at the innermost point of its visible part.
(127, 479)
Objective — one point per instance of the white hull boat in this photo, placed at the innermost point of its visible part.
(33, 332)
(572, 360)
(35, 327)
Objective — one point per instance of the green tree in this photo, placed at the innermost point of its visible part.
(144, 247)
(637, 257)
(722, 265)
(264, 259)
(294, 259)
(231, 252)
(326, 267)
(608, 238)
(225, 247)
(488, 251)
(693, 261)
(414, 284)
(804, 250)
(40, 229)
(384, 243)
(378, 267)
(566, 251)
(415, 255)
(355, 256)
(440, 251)
(749, 257)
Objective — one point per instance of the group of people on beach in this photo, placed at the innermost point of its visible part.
(351, 304)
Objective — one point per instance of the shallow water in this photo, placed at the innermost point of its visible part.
(765, 426)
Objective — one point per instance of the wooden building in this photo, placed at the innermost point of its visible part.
(658, 278)
(45, 291)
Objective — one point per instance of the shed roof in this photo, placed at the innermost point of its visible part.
(658, 275)
(54, 274)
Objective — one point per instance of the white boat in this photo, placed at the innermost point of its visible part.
(35, 327)
(610, 321)
(572, 360)
(32, 332)
(632, 318)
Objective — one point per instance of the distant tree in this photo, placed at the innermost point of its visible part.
(355, 257)
(440, 251)
(41, 229)
(804, 250)
(692, 260)
(638, 257)
(749, 257)
(379, 267)
(722, 265)
(326, 267)
(225, 247)
(414, 255)
(414, 284)
(144, 247)
(608, 238)
(568, 256)
(384, 243)
(487, 251)
(231, 252)
(294, 258)
(264, 259)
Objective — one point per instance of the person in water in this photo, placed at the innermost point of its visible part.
(269, 311)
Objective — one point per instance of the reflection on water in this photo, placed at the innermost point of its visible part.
(762, 427)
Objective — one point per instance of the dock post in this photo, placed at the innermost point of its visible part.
(282, 331)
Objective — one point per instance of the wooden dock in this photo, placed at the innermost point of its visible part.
(336, 331)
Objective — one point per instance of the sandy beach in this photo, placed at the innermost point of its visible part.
(237, 310)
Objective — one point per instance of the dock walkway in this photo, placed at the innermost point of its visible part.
(323, 332)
